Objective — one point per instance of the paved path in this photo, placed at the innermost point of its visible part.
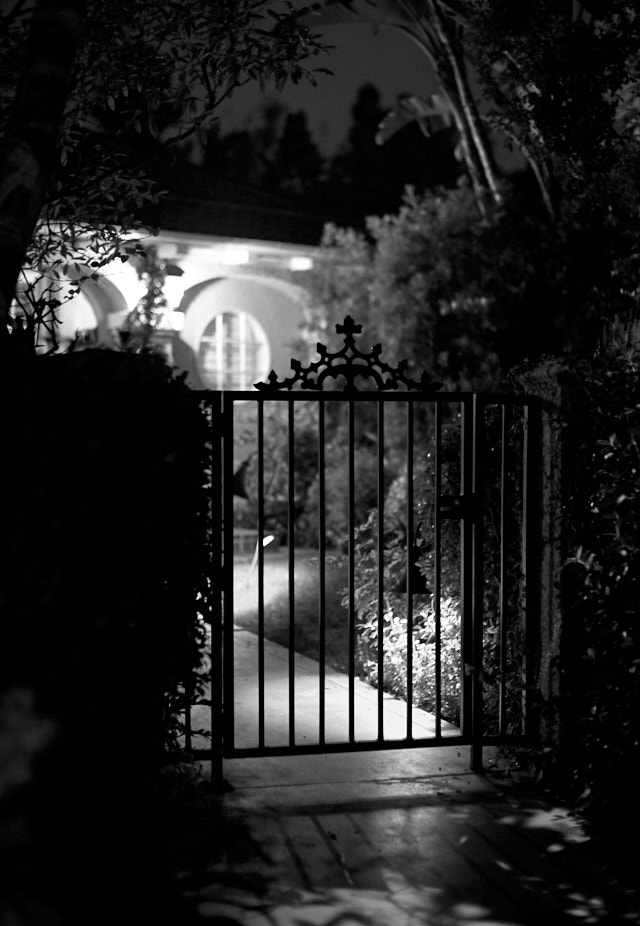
(307, 701)
(396, 838)
(440, 850)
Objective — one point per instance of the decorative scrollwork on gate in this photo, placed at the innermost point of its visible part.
(351, 364)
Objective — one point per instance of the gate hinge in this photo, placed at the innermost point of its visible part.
(459, 506)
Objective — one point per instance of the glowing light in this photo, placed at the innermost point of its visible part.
(254, 562)
(173, 290)
(301, 263)
(234, 256)
(176, 320)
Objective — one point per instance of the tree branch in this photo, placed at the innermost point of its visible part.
(27, 151)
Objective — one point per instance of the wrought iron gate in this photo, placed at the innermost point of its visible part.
(425, 503)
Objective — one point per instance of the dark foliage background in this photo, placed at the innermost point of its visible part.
(599, 704)
(105, 580)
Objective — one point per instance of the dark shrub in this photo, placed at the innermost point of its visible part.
(104, 551)
(105, 578)
(600, 661)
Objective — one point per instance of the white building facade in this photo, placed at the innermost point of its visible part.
(236, 261)
(234, 311)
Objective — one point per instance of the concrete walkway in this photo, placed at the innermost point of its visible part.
(307, 701)
(328, 768)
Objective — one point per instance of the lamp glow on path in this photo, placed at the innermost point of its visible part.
(265, 543)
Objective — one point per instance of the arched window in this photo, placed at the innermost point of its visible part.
(234, 353)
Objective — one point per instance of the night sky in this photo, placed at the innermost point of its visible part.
(389, 60)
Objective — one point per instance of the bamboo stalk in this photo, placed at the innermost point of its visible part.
(468, 106)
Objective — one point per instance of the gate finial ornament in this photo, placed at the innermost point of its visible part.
(350, 363)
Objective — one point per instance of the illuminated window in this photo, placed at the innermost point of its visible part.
(233, 353)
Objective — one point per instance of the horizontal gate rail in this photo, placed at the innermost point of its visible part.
(364, 395)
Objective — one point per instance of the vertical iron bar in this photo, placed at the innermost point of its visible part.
(381, 489)
(188, 701)
(524, 554)
(322, 570)
(351, 549)
(477, 524)
(261, 668)
(227, 571)
(410, 567)
(290, 539)
(437, 564)
(532, 546)
(466, 567)
(216, 604)
(502, 600)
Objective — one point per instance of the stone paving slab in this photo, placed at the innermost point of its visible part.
(445, 851)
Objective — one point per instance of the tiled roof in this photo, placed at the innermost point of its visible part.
(201, 203)
(239, 220)
(223, 208)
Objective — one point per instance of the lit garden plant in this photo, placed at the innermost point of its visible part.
(424, 653)
(503, 681)
(395, 620)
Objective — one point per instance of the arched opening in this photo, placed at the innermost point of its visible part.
(236, 330)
